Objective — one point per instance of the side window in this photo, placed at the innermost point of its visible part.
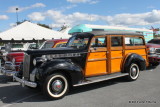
(138, 41)
(116, 41)
(98, 42)
(133, 41)
(129, 41)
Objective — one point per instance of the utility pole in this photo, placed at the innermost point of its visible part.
(17, 15)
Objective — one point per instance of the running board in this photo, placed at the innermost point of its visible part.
(91, 80)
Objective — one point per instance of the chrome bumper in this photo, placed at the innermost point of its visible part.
(24, 82)
(7, 72)
(10, 66)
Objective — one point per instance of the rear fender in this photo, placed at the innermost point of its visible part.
(134, 58)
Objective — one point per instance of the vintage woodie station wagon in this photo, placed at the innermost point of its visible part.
(88, 57)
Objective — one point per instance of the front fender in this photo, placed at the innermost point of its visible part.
(65, 66)
(134, 58)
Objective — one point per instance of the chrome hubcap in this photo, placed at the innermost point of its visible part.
(134, 71)
(57, 85)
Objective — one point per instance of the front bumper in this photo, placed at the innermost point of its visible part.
(154, 58)
(10, 66)
(9, 69)
(23, 82)
(7, 72)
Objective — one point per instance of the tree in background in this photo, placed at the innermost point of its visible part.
(155, 32)
(43, 25)
(64, 26)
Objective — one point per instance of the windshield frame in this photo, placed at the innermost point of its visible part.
(89, 37)
(46, 42)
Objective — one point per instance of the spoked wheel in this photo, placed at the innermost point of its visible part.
(56, 86)
(133, 72)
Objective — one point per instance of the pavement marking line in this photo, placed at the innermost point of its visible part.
(7, 105)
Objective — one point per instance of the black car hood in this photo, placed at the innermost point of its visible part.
(53, 51)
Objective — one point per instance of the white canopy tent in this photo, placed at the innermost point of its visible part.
(30, 31)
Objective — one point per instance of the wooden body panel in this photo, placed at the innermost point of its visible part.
(96, 68)
(116, 54)
(116, 59)
(101, 61)
(96, 59)
(140, 50)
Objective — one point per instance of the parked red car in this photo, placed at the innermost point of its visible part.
(154, 51)
(14, 59)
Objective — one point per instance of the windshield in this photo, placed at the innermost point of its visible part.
(78, 42)
(47, 45)
(33, 46)
(17, 46)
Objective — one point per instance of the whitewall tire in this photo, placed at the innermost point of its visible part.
(56, 86)
(133, 72)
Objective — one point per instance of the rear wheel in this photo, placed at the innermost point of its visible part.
(56, 86)
(133, 71)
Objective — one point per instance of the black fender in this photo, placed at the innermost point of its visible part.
(65, 66)
(136, 59)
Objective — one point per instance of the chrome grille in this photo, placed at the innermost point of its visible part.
(26, 66)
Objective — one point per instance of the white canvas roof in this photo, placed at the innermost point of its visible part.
(29, 31)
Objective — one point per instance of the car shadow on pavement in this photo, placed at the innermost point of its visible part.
(151, 67)
(97, 85)
(5, 79)
(17, 94)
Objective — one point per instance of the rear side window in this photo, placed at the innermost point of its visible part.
(116, 41)
(133, 41)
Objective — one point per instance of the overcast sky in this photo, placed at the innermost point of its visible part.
(130, 13)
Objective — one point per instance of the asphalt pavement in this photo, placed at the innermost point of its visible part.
(144, 92)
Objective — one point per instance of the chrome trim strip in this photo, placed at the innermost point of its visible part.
(50, 56)
(116, 57)
(143, 54)
(99, 80)
(24, 82)
(97, 51)
(100, 59)
(7, 72)
(11, 64)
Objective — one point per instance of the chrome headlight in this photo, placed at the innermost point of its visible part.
(34, 62)
(152, 50)
(38, 61)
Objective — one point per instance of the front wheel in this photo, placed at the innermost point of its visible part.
(133, 72)
(56, 86)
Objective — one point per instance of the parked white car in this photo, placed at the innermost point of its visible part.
(22, 46)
